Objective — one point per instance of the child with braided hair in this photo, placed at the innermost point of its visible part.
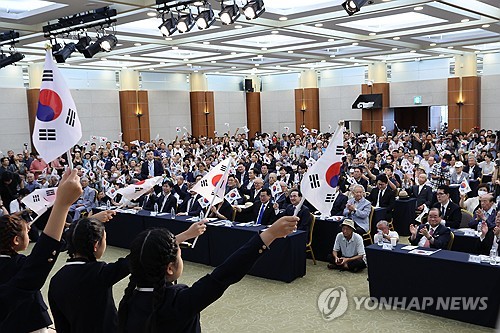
(22, 308)
(153, 303)
(81, 292)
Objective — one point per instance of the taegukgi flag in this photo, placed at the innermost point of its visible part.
(319, 184)
(57, 126)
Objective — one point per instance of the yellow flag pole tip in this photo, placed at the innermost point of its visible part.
(341, 122)
(48, 46)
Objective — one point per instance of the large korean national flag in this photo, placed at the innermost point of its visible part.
(319, 184)
(57, 127)
(214, 182)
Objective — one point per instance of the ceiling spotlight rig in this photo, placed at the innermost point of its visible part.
(76, 27)
(12, 56)
(354, 6)
(184, 21)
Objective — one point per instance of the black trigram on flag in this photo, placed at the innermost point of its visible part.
(223, 168)
(339, 150)
(314, 180)
(50, 192)
(330, 197)
(70, 118)
(36, 198)
(47, 75)
(204, 183)
(138, 189)
(45, 134)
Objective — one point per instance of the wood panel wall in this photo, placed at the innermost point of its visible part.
(372, 120)
(306, 99)
(202, 113)
(132, 103)
(32, 96)
(254, 119)
(466, 116)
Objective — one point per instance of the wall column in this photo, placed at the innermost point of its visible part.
(464, 94)
(202, 106)
(307, 102)
(374, 119)
(134, 107)
(35, 72)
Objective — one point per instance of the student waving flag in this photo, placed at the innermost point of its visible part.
(57, 127)
(319, 184)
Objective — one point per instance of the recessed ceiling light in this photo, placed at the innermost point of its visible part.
(290, 51)
(238, 26)
(418, 8)
(233, 53)
(260, 56)
(217, 72)
(137, 44)
(332, 56)
(278, 66)
(441, 55)
(185, 59)
(275, 32)
(124, 67)
(264, 49)
(450, 47)
(477, 52)
(196, 71)
(318, 25)
(30, 62)
(234, 67)
(189, 65)
(175, 47)
(384, 61)
(356, 64)
(206, 43)
(413, 51)
(162, 63)
(352, 58)
(303, 59)
(283, 18)
(168, 38)
(432, 44)
(151, 69)
(355, 44)
(331, 40)
(394, 48)
(257, 65)
(397, 38)
(213, 61)
(323, 60)
(372, 34)
(465, 20)
(104, 59)
(152, 14)
(485, 26)
(126, 55)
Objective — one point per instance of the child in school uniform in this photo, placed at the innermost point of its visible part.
(81, 292)
(153, 303)
(22, 308)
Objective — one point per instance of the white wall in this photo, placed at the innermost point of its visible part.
(491, 64)
(230, 107)
(335, 103)
(99, 112)
(433, 92)
(277, 110)
(14, 119)
(168, 110)
(288, 81)
(342, 77)
(420, 70)
(490, 115)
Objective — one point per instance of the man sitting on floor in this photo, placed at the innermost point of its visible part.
(348, 251)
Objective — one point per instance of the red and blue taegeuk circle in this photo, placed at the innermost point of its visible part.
(49, 105)
(216, 179)
(333, 174)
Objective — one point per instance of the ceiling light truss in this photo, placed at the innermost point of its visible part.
(9, 38)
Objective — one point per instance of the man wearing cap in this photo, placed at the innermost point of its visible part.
(432, 234)
(348, 251)
(459, 176)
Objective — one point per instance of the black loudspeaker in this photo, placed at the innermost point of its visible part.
(248, 85)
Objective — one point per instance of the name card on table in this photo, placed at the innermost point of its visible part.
(470, 232)
(387, 246)
(475, 259)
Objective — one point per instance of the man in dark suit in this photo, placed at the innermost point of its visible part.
(191, 206)
(422, 192)
(282, 199)
(254, 192)
(450, 212)
(242, 175)
(432, 234)
(147, 200)
(357, 175)
(166, 201)
(263, 212)
(180, 188)
(303, 214)
(339, 202)
(486, 213)
(254, 164)
(490, 238)
(383, 196)
(472, 168)
(150, 167)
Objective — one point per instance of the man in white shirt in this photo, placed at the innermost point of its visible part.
(490, 238)
(385, 233)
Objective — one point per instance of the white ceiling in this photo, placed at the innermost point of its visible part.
(315, 34)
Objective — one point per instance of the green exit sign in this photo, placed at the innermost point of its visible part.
(417, 100)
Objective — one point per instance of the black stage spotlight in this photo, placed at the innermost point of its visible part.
(353, 6)
(186, 22)
(229, 14)
(9, 60)
(64, 53)
(92, 50)
(168, 26)
(205, 19)
(83, 42)
(107, 42)
(254, 9)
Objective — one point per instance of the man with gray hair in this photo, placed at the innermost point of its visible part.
(86, 201)
(358, 209)
(384, 233)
